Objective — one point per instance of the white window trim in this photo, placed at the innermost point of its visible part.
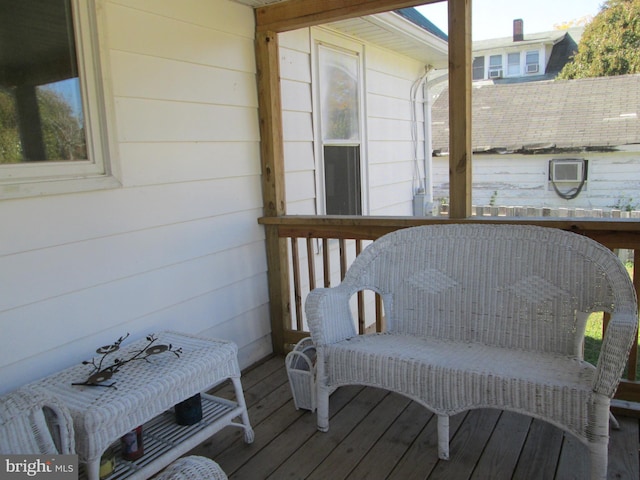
(519, 73)
(100, 171)
(538, 63)
(339, 42)
(500, 70)
(484, 67)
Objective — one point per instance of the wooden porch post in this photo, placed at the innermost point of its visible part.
(460, 149)
(273, 193)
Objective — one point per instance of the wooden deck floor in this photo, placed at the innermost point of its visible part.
(375, 434)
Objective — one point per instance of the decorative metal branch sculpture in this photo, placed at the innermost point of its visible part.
(101, 373)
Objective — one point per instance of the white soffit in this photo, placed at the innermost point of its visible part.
(396, 33)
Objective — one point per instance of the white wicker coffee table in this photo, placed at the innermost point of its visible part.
(145, 391)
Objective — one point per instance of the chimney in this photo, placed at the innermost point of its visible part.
(518, 30)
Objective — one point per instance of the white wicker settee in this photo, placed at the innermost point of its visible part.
(483, 316)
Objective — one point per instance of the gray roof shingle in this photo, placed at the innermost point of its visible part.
(565, 114)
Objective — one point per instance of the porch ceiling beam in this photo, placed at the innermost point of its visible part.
(294, 14)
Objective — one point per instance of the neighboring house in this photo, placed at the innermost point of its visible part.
(524, 57)
(154, 224)
(562, 143)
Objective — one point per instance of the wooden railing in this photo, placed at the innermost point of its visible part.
(317, 250)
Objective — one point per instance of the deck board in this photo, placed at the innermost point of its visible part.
(312, 453)
(625, 463)
(422, 457)
(393, 444)
(463, 447)
(376, 434)
(350, 452)
(499, 458)
(539, 456)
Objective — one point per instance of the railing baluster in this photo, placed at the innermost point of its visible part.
(326, 262)
(380, 327)
(311, 264)
(361, 314)
(343, 258)
(296, 282)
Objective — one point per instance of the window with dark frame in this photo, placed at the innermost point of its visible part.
(342, 180)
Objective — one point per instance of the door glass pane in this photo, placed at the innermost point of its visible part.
(41, 116)
(339, 95)
(342, 180)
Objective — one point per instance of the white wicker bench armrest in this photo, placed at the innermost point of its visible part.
(617, 341)
(329, 315)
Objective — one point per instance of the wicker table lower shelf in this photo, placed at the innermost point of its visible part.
(164, 440)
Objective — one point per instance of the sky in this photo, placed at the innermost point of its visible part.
(494, 18)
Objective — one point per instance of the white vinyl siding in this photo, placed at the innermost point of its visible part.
(178, 247)
(295, 75)
(390, 169)
(388, 78)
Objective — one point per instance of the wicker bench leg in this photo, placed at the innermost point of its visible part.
(598, 436)
(323, 408)
(443, 437)
(249, 436)
(598, 453)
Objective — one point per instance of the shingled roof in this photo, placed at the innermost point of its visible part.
(591, 113)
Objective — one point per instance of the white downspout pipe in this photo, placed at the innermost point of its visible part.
(428, 149)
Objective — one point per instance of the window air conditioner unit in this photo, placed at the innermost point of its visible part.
(532, 68)
(495, 73)
(570, 170)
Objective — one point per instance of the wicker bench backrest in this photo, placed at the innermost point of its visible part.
(504, 285)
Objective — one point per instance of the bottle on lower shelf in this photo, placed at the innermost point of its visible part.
(132, 445)
(107, 463)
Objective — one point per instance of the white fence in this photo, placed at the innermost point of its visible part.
(560, 212)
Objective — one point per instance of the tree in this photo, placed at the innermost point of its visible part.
(10, 147)
(62, 129)
(610, 44)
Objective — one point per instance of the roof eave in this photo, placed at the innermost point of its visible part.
(399, 34)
